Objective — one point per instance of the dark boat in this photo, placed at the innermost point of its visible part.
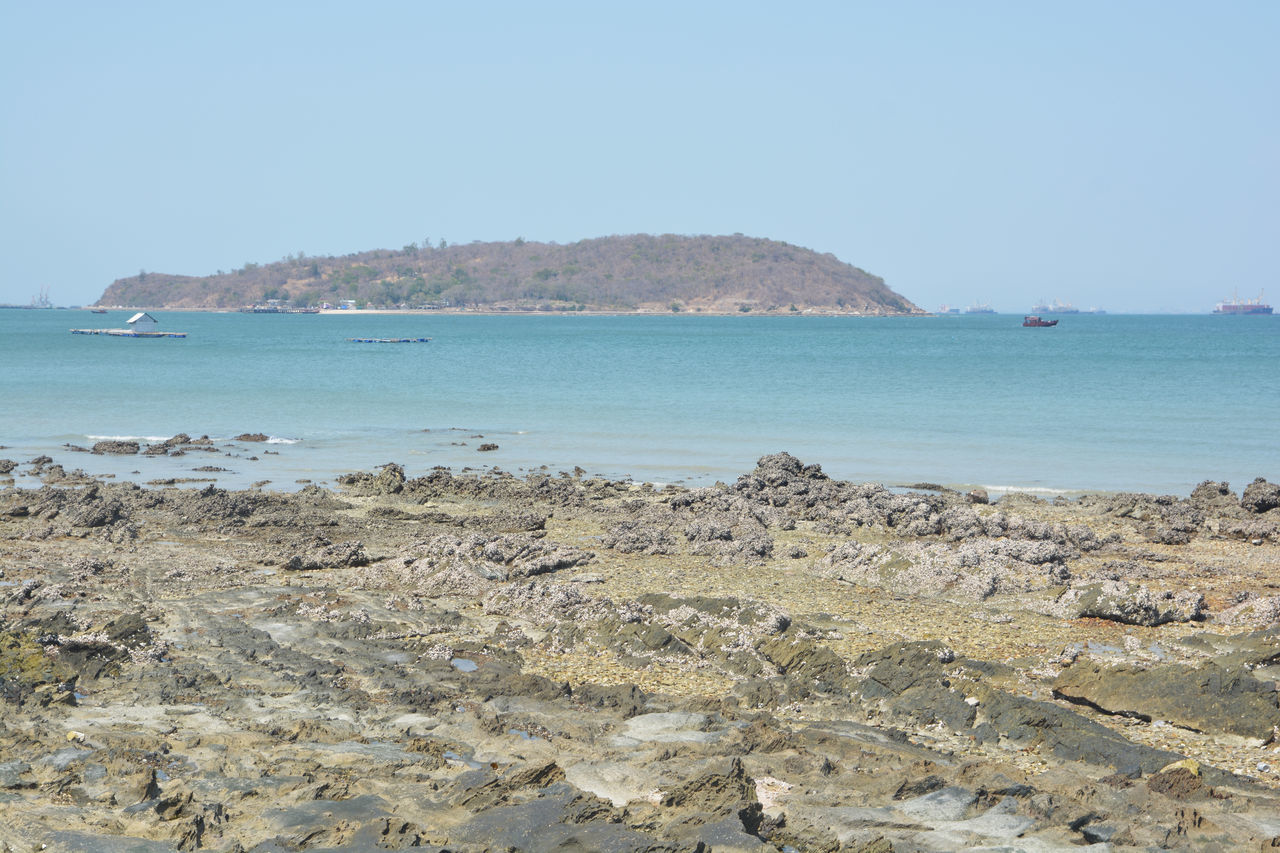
(99, 310)
(1036, 320)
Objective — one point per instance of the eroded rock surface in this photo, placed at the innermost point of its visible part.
(472, 662)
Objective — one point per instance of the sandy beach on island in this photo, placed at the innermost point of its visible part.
(480, 661)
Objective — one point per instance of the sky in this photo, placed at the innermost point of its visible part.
(1121, 154)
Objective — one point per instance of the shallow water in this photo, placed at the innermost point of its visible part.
(1144, 403)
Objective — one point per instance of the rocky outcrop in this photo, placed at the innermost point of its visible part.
(1131, 604)
(1260, 496)
(116, 447)
(1208, 698)
(921, 684)
(320, 553)
(482, 661)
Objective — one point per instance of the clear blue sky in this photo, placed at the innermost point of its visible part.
(1124, 153)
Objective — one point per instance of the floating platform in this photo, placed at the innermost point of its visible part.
(128, 333)
(388, 340)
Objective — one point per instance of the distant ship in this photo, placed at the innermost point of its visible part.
(947, 309)
(1247, 306)
(1035, 321)
(1055, 307)
(980, 308)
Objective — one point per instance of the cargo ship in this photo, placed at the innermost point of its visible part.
(1235, 305)
(1055, 307)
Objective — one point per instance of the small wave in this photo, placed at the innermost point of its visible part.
(128, 437)
(1033, 490)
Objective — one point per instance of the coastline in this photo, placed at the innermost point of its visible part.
(255, 460)
(522, 312)
(479, 660)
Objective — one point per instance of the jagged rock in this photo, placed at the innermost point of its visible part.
(323, 554)
(1254, 611)
(723, 805)
(1260, 496)
(638, 537)
(1213, 495)
(116, 446)
(497, 556)
(389, 480)
(1129, 603)
(433, 694)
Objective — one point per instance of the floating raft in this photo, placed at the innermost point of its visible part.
(388, 340)
(128, 333)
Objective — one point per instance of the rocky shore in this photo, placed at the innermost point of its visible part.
(478, 661)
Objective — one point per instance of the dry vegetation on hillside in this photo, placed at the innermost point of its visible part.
(636, 272)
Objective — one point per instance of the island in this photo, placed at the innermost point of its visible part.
(637, 273)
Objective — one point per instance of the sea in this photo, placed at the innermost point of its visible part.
(1099, 403)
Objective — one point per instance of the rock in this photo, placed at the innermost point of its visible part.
(129, 630)
(1129, 603)
(666, 727)
(627, 699)
(559, 817)
(389, 480)
(894, 669)
(1207, 698)
(1180, 783)
(252, 436)
(495, 557)
(978, 496)
(486, 447)
(324, 554)
(116, 446)
(474, 687)
(637, 537)
(723, 799)
(801, 659)
(921, 683)
(7, 466)
(16, 774)
(1260, 496)
(1211, 494)
(1254, 611)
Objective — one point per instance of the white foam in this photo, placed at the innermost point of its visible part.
(1030, 490)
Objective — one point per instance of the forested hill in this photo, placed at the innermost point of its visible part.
(628, 273)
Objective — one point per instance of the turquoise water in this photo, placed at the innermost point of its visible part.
(1150, 403)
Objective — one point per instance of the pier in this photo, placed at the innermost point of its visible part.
(388, 340)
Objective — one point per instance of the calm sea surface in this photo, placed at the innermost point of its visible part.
(1143, 403)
